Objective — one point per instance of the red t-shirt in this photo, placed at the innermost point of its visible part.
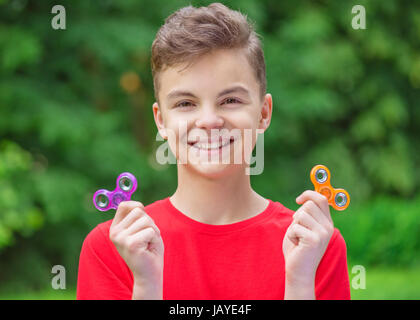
(238, 261)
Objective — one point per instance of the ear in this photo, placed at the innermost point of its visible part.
(157, 114)
(266, 111)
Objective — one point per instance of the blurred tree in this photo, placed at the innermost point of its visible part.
(75, 111)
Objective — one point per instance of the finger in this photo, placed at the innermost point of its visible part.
(305, 219)
(312, 208)
(124, 209)
(291, 232)
(300, 233)
(130, 218)
(143, 237)
(320, 200)
(291, 236)
(142, 223)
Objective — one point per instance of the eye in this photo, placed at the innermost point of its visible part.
(231, 101)
(183, 104)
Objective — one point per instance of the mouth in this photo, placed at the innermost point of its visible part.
(212, 145)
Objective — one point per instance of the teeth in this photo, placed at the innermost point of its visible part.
(214, 145)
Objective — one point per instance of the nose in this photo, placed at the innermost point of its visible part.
(209, 118)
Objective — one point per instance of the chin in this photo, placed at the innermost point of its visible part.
(214, 171)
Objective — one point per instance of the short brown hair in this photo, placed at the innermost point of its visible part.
(192, 32)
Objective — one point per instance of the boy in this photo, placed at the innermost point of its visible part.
(215, 237)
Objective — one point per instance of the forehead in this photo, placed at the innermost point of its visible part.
(210, 73)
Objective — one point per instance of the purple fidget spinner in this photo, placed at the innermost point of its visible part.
(105, 200)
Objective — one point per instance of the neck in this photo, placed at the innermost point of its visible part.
(216, 201)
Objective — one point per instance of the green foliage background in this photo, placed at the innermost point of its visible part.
(75, 111)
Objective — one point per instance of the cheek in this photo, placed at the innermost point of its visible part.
(247, 122)
(247, 116)
(177, 130)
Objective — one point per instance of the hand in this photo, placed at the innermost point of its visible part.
(307, 238)
(138, 241)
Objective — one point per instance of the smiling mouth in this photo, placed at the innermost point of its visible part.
(211, 146)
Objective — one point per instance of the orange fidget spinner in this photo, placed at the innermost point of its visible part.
(339, 199)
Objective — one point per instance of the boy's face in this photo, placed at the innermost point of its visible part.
(210, 112)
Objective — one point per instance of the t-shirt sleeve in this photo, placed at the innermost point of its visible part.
(332, 278)
(102, 274)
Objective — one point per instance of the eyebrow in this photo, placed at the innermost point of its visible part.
(178, 93)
